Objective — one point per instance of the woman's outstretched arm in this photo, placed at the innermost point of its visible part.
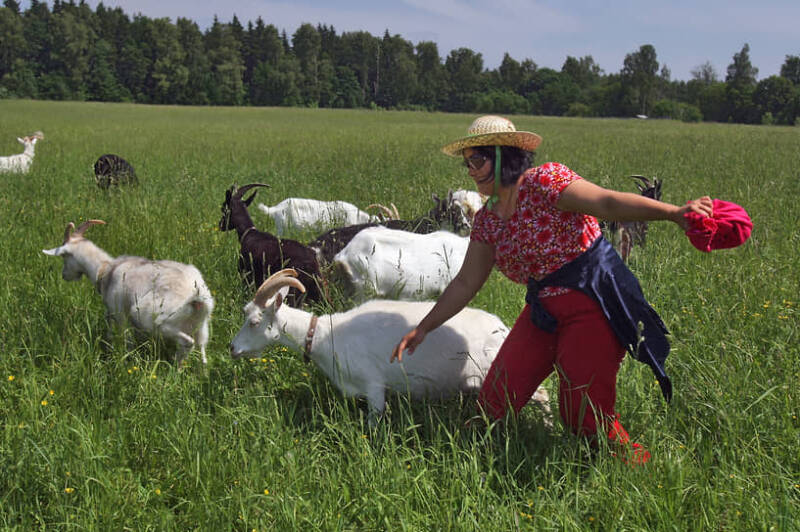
(476, 268)
(588, 198)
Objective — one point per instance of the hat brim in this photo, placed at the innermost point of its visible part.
(524, 140)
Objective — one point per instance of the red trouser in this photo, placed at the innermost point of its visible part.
(584, 351)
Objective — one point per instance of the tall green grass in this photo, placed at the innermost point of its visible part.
(116, 438)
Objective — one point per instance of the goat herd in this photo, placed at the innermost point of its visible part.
(370, 255)
(396, 262)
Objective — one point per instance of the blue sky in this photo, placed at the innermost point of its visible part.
(685, 33)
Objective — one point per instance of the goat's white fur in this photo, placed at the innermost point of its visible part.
(470, 202)
(21, 162)
(165, 298)
(301, 214)
(353, 348)
(399, 264)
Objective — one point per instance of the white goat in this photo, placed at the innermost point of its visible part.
(399, 264)
(301, 213)
(470, 202)
(21, 162)
(163, 297)
(353, 348)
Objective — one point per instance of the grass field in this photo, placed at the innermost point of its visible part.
(121, 440)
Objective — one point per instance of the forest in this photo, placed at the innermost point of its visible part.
(71, 52)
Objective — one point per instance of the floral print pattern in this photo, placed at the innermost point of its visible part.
(538, 238)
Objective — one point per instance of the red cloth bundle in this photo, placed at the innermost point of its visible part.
(728, 227)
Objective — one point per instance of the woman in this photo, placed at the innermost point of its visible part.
(584, 307)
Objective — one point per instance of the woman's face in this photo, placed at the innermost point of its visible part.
(480, 170)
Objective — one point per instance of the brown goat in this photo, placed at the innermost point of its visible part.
(262, 254)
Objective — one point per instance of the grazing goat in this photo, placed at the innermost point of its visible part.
(113, 170)
(624, 235)
(399, 264)
(353, 348)
(445, 214)
(21, 162)
(302, 214)
(470, 202)
(163, 297)
(262, 253)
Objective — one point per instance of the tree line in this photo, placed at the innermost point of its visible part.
(70, 52)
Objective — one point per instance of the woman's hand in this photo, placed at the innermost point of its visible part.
(410, 341)
(703, 206)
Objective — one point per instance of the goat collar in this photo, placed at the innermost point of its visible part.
(312, 327)
(246, 231)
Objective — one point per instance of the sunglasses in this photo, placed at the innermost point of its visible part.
(475, 161)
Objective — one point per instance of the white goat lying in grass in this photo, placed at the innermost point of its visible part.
(301, 214)
(353, 348)
(398, 264)
(164, 298)
(21, 162)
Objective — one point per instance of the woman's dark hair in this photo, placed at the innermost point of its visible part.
(513, 161)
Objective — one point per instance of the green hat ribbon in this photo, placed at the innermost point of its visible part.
(493, 198)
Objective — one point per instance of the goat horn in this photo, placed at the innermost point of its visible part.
(396, 214)
(240, 192)
(384, 208)
(275, 282)
(71, 232)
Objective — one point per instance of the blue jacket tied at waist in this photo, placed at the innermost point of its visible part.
(600, 273)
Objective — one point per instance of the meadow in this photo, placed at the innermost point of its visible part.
(98, 438)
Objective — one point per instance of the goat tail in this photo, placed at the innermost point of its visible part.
(202, 303)
(197, 308)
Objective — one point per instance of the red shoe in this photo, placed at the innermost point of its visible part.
(620, 438)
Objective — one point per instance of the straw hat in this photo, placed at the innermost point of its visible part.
(490, 130)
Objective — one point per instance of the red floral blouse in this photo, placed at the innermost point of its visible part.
(538, 238)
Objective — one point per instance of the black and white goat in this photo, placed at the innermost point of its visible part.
(624, 235)
(112, 170)
(21, 162)
(353, 348)
(446, 214)
(263, 253)
(163, 298)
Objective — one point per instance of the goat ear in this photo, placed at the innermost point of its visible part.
(280, 296)
(249, 200)
(20, 140)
